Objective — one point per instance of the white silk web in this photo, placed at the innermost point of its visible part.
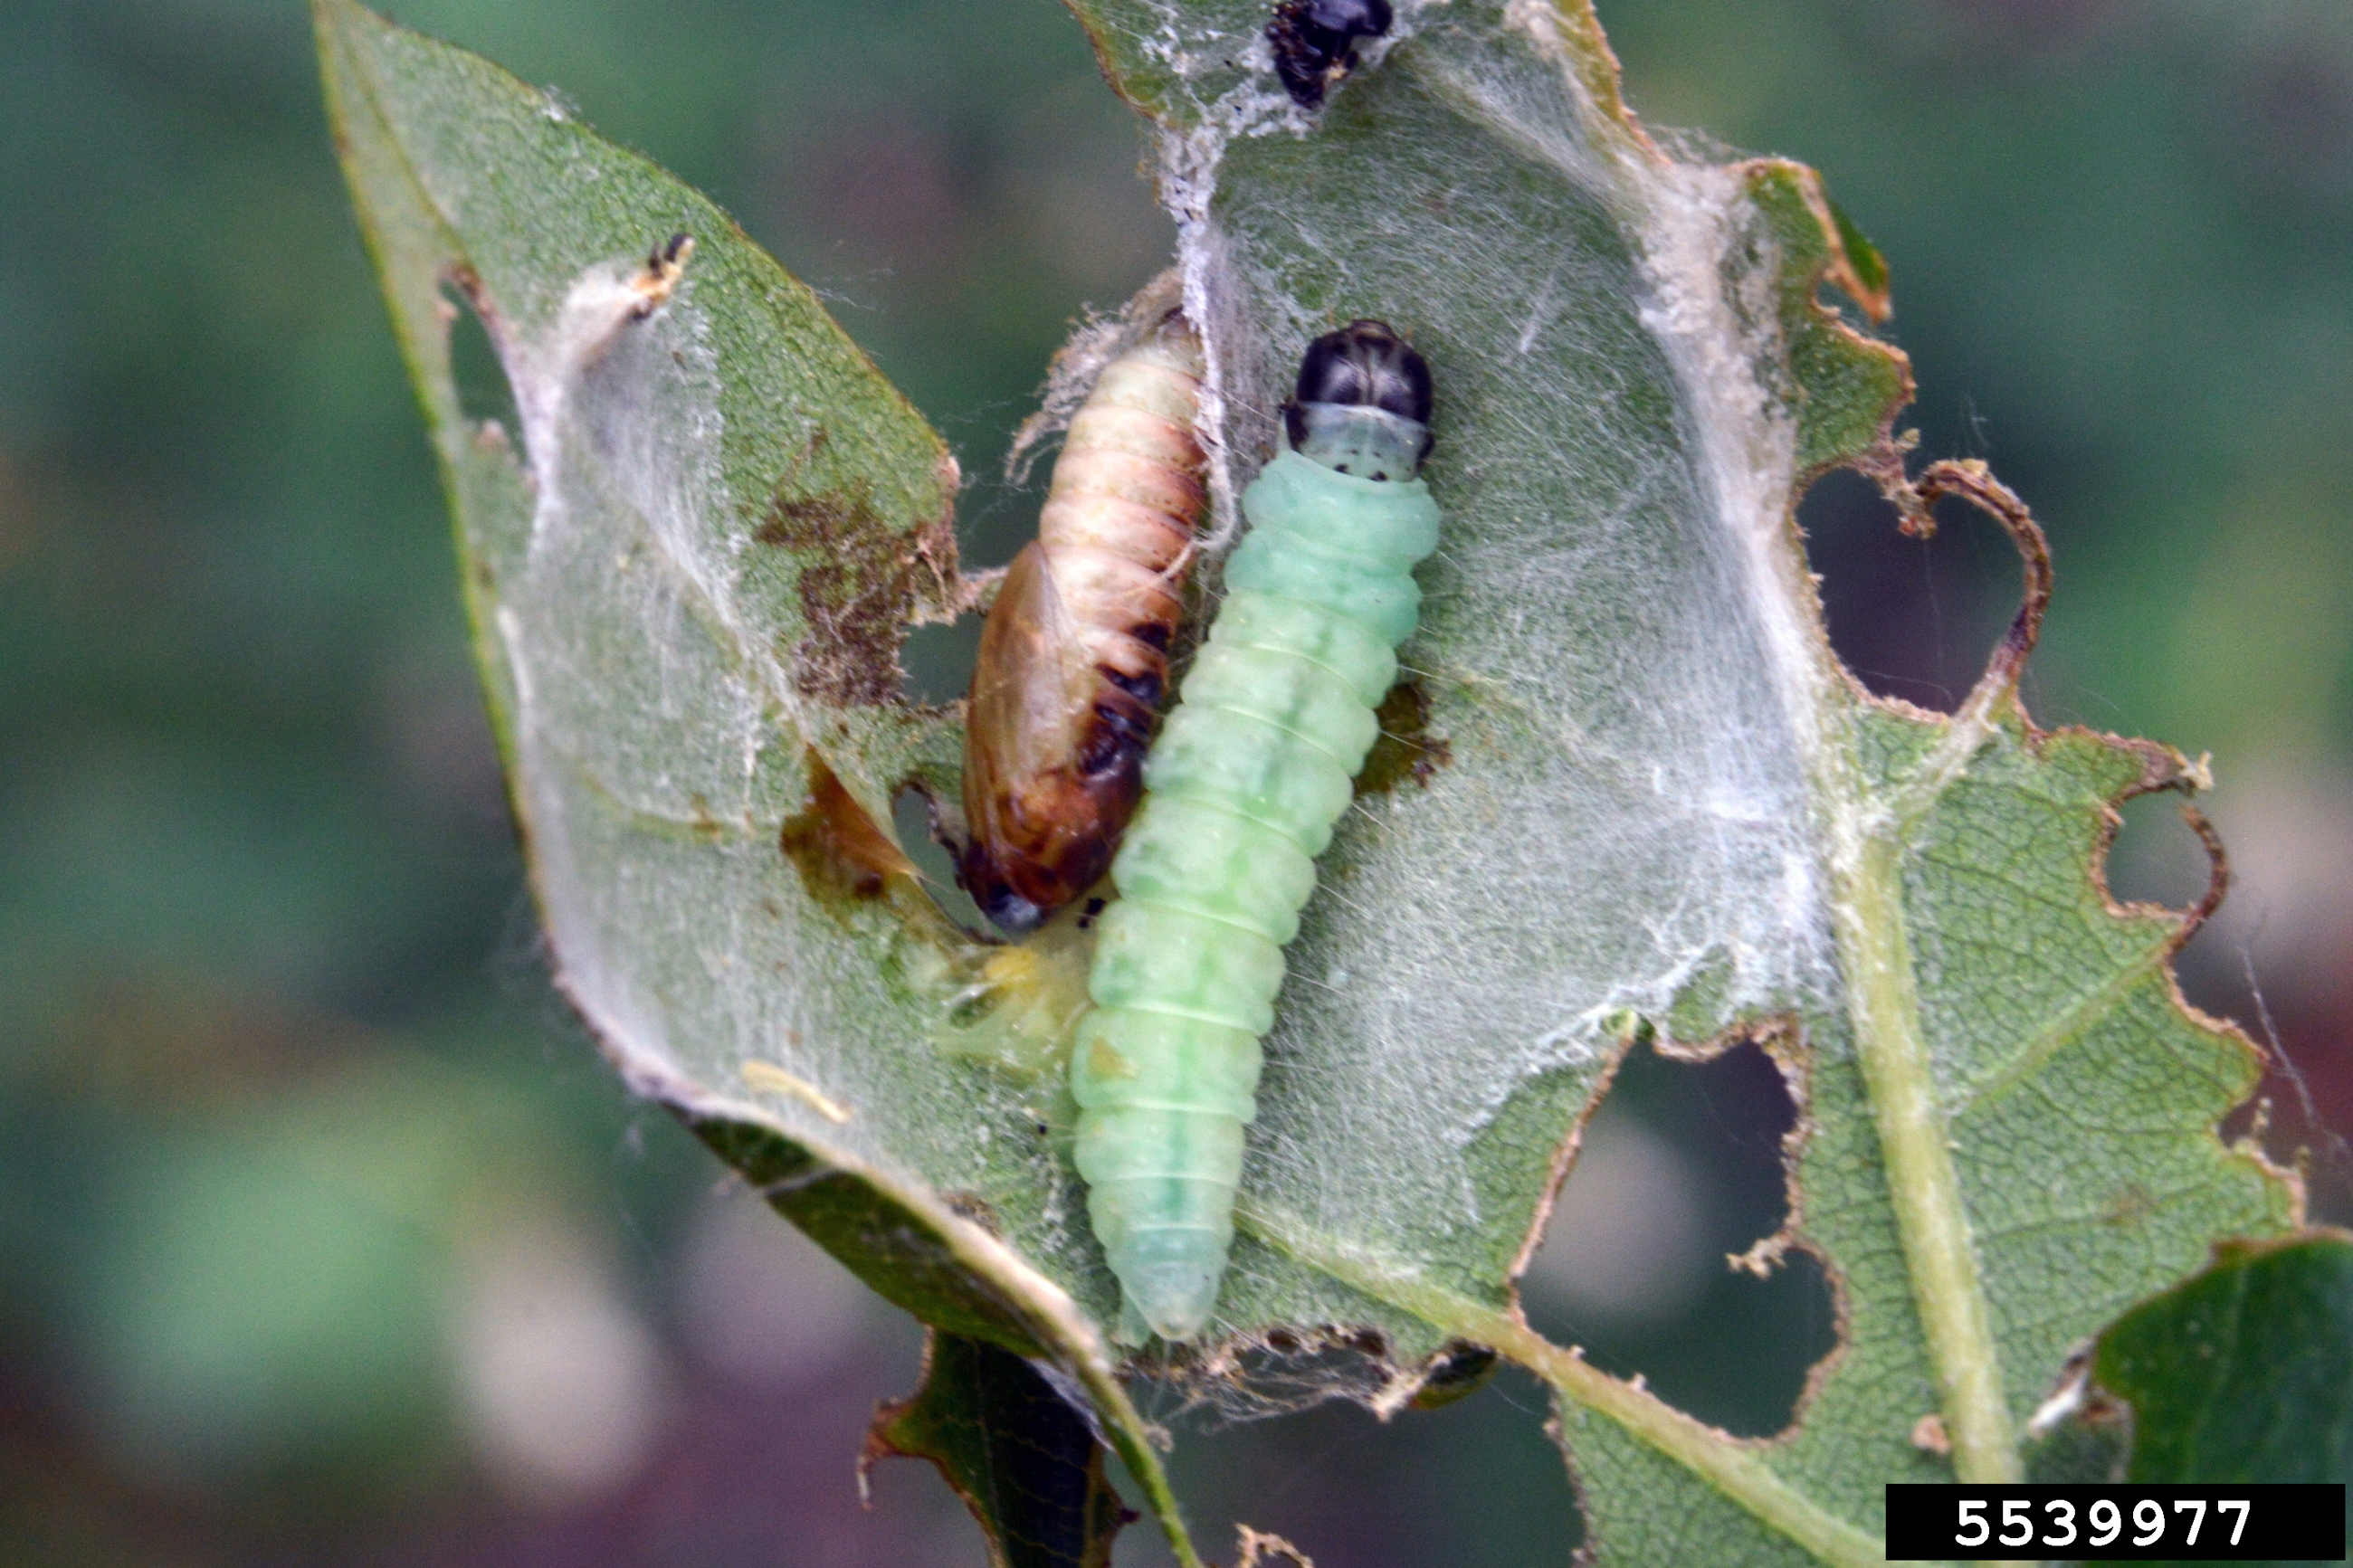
(1617, 653)
(1612, 817)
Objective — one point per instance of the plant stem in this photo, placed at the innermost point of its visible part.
(1916, 1143)
(1924, 1186)
(1869, 832)
(1739, 1472)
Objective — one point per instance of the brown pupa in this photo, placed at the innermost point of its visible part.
(1074, 657)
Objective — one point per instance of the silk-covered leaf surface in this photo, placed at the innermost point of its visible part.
(1647, 800)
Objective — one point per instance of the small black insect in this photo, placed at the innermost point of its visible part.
(1315, 42)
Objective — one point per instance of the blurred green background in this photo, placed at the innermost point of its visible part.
(325, 1239)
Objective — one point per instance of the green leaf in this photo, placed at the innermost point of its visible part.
(1643, 797)
(2243, 1373)
(1021, 1455)
(1664, 795)
(690, 574)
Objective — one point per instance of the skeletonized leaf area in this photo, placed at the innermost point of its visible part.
(1629, 793)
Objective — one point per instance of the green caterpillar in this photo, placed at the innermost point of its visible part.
(1241, 791)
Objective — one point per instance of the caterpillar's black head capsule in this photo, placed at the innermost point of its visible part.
(1364, 403)
(1365, 362)
(1315, 42)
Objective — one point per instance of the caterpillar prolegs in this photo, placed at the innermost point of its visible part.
(1241, 792)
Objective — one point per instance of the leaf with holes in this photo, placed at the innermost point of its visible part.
(1632, 791)
(690, 574)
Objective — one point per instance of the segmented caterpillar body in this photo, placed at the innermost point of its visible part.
(1243, 788)
(1074, 656)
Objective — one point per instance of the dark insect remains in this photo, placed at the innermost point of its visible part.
(1315, 42)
